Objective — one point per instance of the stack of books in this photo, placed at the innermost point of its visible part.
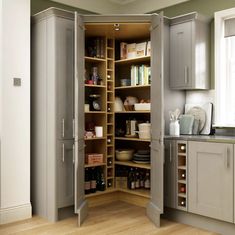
(140, 75)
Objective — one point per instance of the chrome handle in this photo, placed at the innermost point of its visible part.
(62, 152)
(170, 153)
(186, 74)
(73, 128)
(73, 154)
(63, 128)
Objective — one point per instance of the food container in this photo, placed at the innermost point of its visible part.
(125, 82)
(142, 106)
(144, 130)
(93, 158)
(124, 154)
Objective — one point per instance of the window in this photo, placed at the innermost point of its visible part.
(225, 68)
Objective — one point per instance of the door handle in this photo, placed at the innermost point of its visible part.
(63, 128)
(226, 158)
(186, 74)
(73, 154)
(63, 152)
(170, 153)
(73, 128)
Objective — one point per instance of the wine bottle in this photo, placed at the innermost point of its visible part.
(147, 181)
(141, 180)
(137, 180)
(93, 180)
(100, 182)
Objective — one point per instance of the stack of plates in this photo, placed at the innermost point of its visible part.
(142, 156)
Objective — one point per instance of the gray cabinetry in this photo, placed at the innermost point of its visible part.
(210, 180)
(189, 53)
(52, 112)
(65, 173)
(170, 174)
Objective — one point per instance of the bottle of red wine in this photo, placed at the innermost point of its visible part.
(100, 182)
(93, 180)
(131, 179)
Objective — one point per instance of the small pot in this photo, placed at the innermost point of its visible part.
(124, 154)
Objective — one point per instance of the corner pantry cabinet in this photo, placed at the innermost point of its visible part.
(63, 58)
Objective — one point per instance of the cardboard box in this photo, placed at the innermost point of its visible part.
(131, 50)
(93, 158)
(141, 49)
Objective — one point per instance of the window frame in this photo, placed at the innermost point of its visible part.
(220, 18)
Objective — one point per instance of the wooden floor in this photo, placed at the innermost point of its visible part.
(116, 218)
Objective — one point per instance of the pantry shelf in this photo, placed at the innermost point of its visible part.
(132, 139)
(95, 138)
(94, 165)
(136, 112)
(132, 164)
(134, 60)
(132, 87)
(94, 59)
(95, 86)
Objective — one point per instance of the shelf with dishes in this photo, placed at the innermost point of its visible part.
(132, 139)
(132, 87)
(133, 164)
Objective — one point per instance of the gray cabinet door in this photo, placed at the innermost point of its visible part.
(181, 55)
(170, 174)
(64, 77)
(81, 207)
(210, 175)
(65, 173)
(155, 206)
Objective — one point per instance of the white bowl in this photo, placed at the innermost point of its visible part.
(124, 154)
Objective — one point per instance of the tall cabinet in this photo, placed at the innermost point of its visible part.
(52, 113)
(59, 97)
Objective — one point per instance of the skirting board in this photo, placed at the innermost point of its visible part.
(12, 214)
(199, 221)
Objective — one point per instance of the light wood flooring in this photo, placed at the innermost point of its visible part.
(116, 218)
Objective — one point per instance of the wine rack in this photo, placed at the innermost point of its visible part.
(110, 112)
(181, 176)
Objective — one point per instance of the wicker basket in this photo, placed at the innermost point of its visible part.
(129, 107)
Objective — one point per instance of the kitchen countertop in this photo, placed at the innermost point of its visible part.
(204, 138)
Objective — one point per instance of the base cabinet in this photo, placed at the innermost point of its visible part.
(65, 173)
(210, 180)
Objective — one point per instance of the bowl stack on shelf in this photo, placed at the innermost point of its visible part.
(142, 156)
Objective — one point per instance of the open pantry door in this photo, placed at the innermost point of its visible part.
(155, 206)
(81, 207)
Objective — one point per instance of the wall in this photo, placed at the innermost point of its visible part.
(15, 111)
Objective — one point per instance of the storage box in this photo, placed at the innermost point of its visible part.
(148, 52)
(121, 182)
(93, 158)
(123, 50)
(131, 50)
(142, 107)
(141, 49)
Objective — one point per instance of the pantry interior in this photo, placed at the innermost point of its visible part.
(92, 107)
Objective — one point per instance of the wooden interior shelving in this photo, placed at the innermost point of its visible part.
(132, 164)
(94, 165)
(181, 176)
(134, 112)
(132, 139)
(94, 59)
(95, 86)
(132, 87)
(142, 59)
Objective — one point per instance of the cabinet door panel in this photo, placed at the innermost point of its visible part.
(181, 55)
(65, 78)
(170, 174)
(65, 173)
(211, 180)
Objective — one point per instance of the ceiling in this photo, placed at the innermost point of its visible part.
(120, 6)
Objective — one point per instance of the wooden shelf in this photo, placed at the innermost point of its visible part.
(132, 164)
(95, 165)
(132, 139)
(182, 167)
(132, 87)
(94, 59)
(133, 60)
(182, 181)
(95, 112)
(96, 138)
(97, 86)
(139, 192)
(182, 195)
(126, 112)
(100, 193)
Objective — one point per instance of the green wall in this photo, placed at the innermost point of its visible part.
(205, 7)
(40, 5)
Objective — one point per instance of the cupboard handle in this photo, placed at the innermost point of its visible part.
(62, 152)
(186, 74)
(170, 153)
(73, 154)
(73, 128)
(227, 158)
(63, 128)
